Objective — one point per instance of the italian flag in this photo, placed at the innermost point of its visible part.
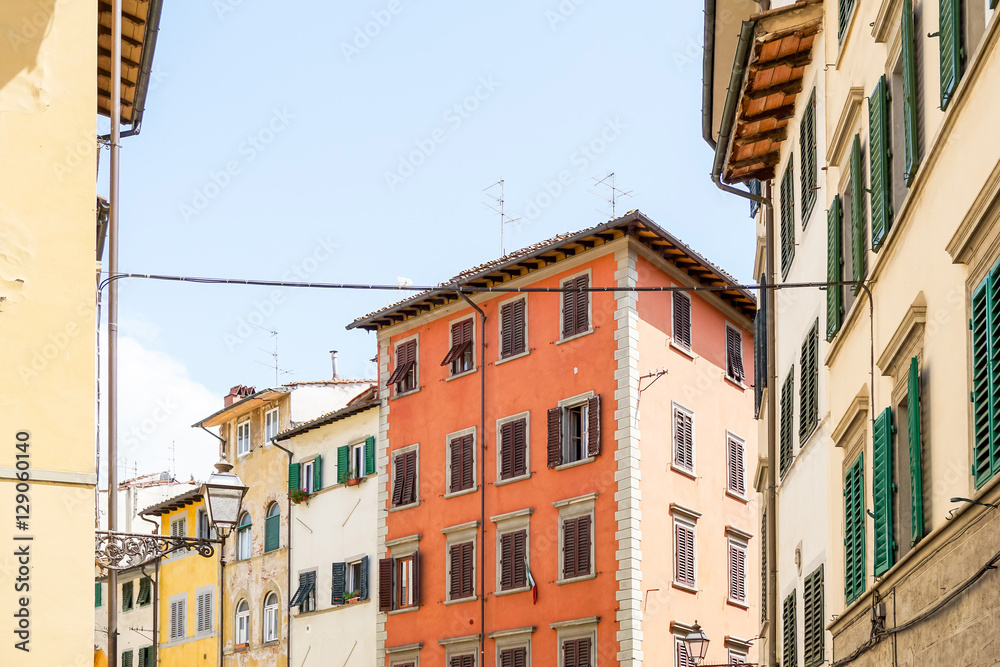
(531, 583)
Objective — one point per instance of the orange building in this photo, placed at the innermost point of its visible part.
(512, 451)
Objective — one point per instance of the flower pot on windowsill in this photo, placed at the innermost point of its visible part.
(298, 496)
(353, 600)
(354, 481)
(241, 647)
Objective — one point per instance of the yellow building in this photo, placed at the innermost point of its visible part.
(51, 90)
(187, 598)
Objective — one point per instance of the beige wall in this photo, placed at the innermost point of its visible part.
(47, 281)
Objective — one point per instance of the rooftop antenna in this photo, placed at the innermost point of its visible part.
(498, 207)
(274, 355)
(173, 459)
(615, 192)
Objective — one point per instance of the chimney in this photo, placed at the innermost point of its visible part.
(333, 360)
(236, 393)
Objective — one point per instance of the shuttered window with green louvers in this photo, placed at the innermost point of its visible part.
(787, 403)
(807, 149)
(127, 601)
(844, 17)
(127, 658)
(343, 464)
(370, 455)
(880, 186)
(272, 528)
(911, 137)
(97, 594)
(787, 219)
(789, 644)
(834, 270)
(809, 381)
(854, 530)
(885, 546)
(317, 473)
(812, 618)
(294, 476)
(914, 440)
(985, 395)
(951, 47)
(859, 254)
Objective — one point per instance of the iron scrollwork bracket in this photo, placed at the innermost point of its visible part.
(121, 551)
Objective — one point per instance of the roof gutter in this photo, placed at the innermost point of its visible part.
(708, 74)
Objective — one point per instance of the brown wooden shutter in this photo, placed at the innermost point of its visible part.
(456, 465)
(583, 652)
(385, 590)
(455, 585)
(583, 545)
(467, 570)
(507, 329)
(683, 440)
(461, 339)
(737, 476)
(569, 548)
(682, 320)
(518, 337)
(684, 554)
(582, 301)
(399, 478)
(409, 461)
(520, 657)
(734, 354)
(467, 468)
(520, 466)
(416, 579)
(507, 450)
(520, 577)
(569, 653)
(594, 426)
(506, 559)
(555, 437)
(569, 309)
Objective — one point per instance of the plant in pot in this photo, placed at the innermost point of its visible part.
(352, 477)
(352, 596)
(298, 496)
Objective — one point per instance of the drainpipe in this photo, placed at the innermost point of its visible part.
(482, 478)
(156, 596)
(708, 74)
(288, 561)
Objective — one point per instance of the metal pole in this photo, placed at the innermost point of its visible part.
(116, 109)
(771, 511)
(222, 597)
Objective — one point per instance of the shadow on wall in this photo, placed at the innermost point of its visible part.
(24, 26)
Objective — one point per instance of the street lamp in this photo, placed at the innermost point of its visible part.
(696, 644)
(223, 494)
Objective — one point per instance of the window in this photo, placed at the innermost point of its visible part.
(243, 438)
(461, 463)
(204, 527)
(809, 392)
(854, 204)
(312, 473)
(460, 357)
(681, 657)
(882, 492)
(145, 592)
(575, 306)
(683, 458)
(907, 483)
(461, 577)
(399, 578)
(350, 581)
(271, 618)
(577, 546)
(789, 644)
(735, 466)
(834, 269)
(270, 425)
(513, 560)
(736, 657)
(812, 615)
(242, 623)
(854, 530)
(178, 527)
(737, 571)
(807, 148)
(951, 44)
(355, 461)
(845, 11)
(681, 325)
(574, 431)
(786, 446)
(513, 452)
(465, 660)
(272, 528)
(734, 355)
(908, 108)
(203, 610)
(146, 657)
(787, 219)
(127, 602)
(985, 382)
(404, 471)
(127, 658)
(404, 376)
(879, 169)
(97, 594)
(513, 329)
(244, 537)
(684, 554)
(513, 657)
(305, 595)
(405, 582)
(178, 616)
(578, 652)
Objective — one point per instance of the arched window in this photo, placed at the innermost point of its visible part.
(272, 527)
(243, 537)
(271, 617)
(243, 622)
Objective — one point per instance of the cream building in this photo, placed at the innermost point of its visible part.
(333, 538)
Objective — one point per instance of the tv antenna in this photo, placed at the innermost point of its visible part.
(274, 355)
(614, 191)
(498, 207)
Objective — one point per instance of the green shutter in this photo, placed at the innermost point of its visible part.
(854, 530)
(370, 455)
(882, 488)
(787, 219)
(97, 594)
(834, 270)
(807, 148)
(910, 133)
(272, 532)
(789, 648)
(317, 473)
(126, 596)
(787, 402)
(916, 473)
(343, 464)
(843, 17)
(859, 254)
(950, 43)
(339, 583)
(294, 476)
(812, 617)
(809, 389)
(127, 658)
(983, 419)
(879, 174)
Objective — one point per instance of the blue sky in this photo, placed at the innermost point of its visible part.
(351, 142)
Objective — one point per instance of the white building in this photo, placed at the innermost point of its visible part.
(333, 535)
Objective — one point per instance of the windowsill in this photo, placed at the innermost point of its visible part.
(404, 394)
(573, 464)
(361, 480)
(686, 351)
(461, 375)
(684, 471)
(575, 336)
(271, 642)
(405, 507)
(511, 480)
(735, 496)
(461, 600)
(512, 591)
(347, 605)
(240, 648)
(404, 610)
(512, 357)
(736, 383)
(736, 603)
(463, 492)
(684, 587)
(573, 580)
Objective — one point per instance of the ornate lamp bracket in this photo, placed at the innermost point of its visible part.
(121, 551)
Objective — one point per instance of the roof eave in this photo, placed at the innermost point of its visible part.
(240, 407)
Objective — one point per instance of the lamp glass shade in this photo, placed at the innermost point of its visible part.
(696, 643)
(223, 494)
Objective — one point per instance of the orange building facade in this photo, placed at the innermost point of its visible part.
(512, 452)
